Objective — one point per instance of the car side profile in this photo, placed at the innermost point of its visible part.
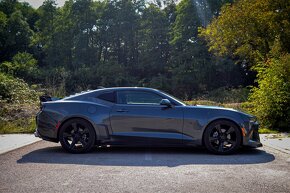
(135, 116)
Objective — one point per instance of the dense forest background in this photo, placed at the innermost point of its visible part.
(217, 49)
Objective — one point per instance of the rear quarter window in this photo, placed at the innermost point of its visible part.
(108, 96)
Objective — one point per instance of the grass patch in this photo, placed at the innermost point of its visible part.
(267, 131)
(17, 126)
(17, 118)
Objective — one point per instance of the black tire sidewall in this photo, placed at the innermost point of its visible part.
(91, 133)
(211, 127)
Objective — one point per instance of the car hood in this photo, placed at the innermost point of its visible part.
(243, 114)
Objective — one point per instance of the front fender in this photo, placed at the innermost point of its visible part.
(197, 119)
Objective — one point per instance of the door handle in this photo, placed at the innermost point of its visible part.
(122, 110)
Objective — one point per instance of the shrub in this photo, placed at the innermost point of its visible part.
(15, 90)
(271, 100)
(23, 66)
(226, 95)
(18, 105)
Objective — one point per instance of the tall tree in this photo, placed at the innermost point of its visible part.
(154, 43)
(249, 29)
(44, 39)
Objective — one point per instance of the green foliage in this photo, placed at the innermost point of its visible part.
(54, 81)
(125, 43)
(267, 131)
(23, 65)
(257, 34)
(14, 90)
(17, 118)
(271, 99)
(248, 29)
(17, 126)
(226, 95)
(18, 105)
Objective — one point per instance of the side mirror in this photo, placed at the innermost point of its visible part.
(166, 102)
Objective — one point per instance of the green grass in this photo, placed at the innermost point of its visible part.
(267, 131)
(17, 126)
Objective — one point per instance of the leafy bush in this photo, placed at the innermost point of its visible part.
(23, 66)
(17, 118)
(15, 90)
(18, 105)
(271, 100)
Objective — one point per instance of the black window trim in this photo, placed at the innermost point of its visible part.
(148, 91)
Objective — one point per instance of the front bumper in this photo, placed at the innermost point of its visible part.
(252, 138)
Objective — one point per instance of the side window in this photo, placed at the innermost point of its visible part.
(108, 96)
(138, 97)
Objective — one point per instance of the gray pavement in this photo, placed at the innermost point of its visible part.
(10, 142)
(279, 142)
(45, 167)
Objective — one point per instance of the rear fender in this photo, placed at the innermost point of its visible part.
(101, 130)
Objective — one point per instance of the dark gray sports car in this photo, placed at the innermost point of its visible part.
(142, 117)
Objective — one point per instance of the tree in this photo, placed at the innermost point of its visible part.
(16, 35)
(194, 69)
(257, 34)
(153, 43)
(248, 29)
(271, 99)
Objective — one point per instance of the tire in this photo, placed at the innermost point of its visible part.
(222, 137)
(77, 136)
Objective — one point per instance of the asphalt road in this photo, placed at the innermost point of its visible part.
(45, 167)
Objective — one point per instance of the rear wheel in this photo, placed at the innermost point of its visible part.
(222, 137)
(77, 136)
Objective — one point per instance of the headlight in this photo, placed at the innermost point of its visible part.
(253, 122)
(253, 119)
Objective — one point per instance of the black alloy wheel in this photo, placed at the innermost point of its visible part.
(222, 137)
(77, 136)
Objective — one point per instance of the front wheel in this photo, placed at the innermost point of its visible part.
(77, 136)
(222, 137)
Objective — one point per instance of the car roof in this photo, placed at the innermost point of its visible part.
(126, 88)
(101, 90)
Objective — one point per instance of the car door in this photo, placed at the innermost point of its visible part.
(139, 119)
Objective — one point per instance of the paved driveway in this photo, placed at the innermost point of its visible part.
(45, 167)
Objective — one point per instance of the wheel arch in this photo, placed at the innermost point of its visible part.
(77, 117)
(221, 119)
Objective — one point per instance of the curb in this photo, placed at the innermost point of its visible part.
(18, 147)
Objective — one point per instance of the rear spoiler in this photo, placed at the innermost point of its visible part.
(46, 98)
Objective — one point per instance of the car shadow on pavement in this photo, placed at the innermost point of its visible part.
(125, 156)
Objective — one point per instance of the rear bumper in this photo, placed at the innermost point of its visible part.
(46, 129)
(37, 134)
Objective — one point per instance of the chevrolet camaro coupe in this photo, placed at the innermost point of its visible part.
(142, 117)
